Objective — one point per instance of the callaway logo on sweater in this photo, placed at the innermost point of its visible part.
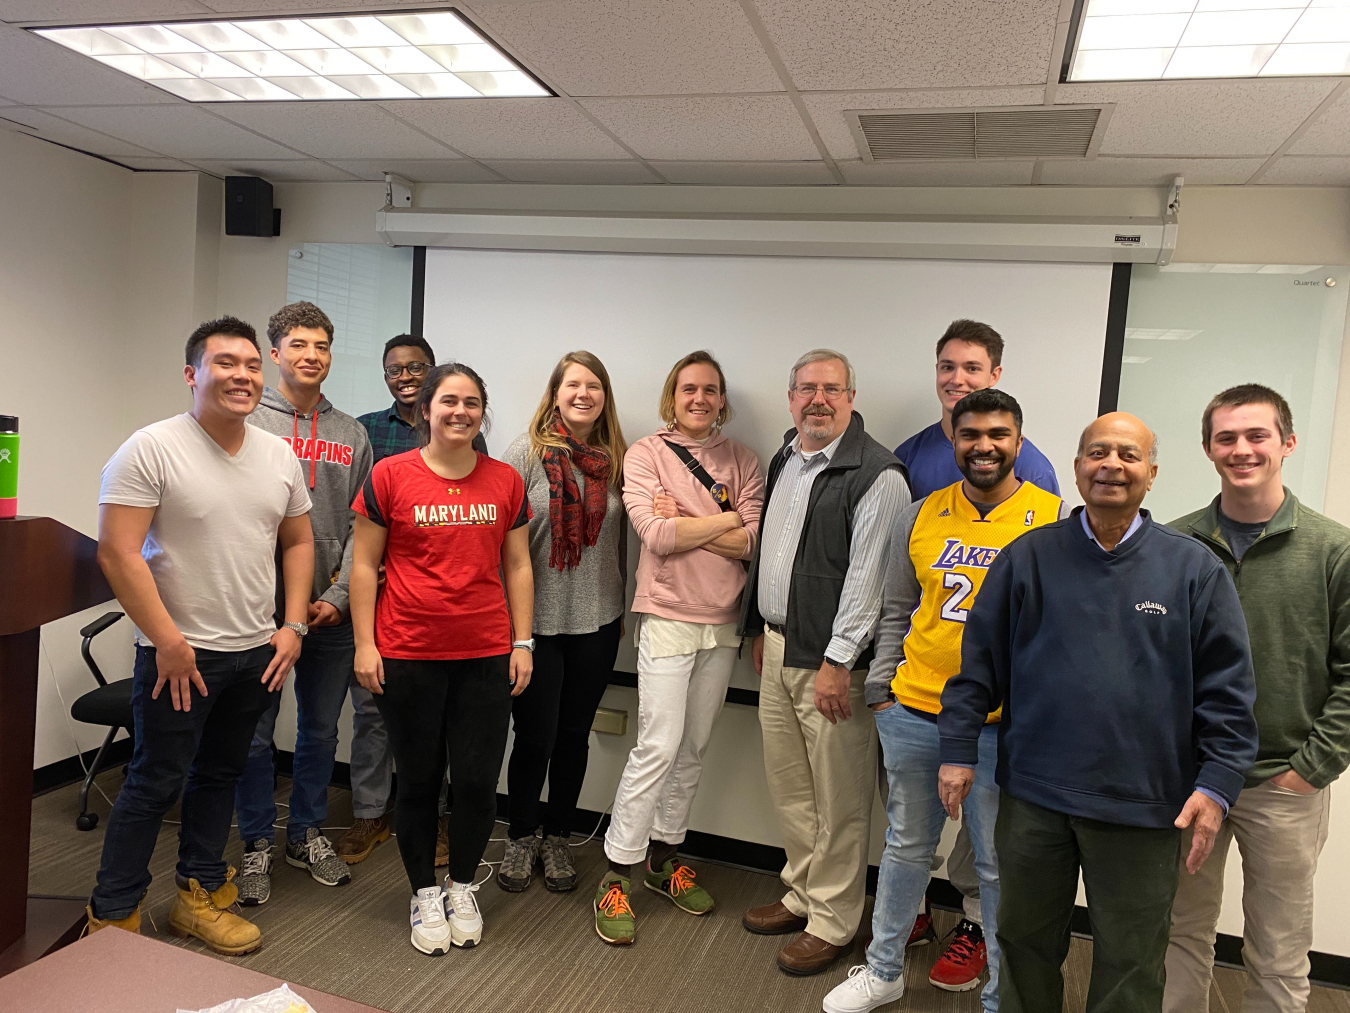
(952, 548)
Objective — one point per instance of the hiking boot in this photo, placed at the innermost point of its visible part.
(206, 915)
(443, 841)
(255, 873)
(560, 875)
(317, 855)
(675, 882)
(131, 923)
(461, 908)
(359, 840)
(518, 861)
(959, 967)
(922, 933)
(430, 931)
(614, 922)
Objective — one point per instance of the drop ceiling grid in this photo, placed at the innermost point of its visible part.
(335, 129)
(1329, 134)
(722, 128)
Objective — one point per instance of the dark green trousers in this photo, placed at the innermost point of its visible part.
(1130, 875)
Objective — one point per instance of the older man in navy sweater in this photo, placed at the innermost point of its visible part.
(1118, 651)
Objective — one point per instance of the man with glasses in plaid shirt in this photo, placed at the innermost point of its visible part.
(407, 359)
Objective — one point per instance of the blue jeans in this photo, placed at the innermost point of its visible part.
(909, 747)
(321, 678)
(207, 746)
(372, 760)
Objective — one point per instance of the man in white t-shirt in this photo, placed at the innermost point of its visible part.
(191, 513)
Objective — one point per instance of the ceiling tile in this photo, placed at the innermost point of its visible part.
(745, 173)
(335, 129)
(106, 11)
(156, 164)
(555, 171)
(827, 108)
(430, 170)
(1309, 171)
(181, 131)
(72, 135)
(300, 170)
(1200, 117)
(635, 47)
(510, 127)
(1148, 171)
(1329, 134)
(971, 173)
(287, 7)
(866, 44)
(35, 71)
(721, 128)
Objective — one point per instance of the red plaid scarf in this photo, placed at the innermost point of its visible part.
(574, 521)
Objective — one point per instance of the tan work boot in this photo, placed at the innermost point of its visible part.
(360, 839)
(206, 915)
(443, 841)
(131, 923)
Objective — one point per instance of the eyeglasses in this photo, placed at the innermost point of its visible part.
(807, 391)
(413, 368)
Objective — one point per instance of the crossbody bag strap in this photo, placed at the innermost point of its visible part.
(720, 493)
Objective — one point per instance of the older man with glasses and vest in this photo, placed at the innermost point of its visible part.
(811, 602)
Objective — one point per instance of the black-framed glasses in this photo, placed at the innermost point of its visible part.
(413, 368)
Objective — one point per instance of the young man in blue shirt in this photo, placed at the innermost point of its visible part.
(969, 358)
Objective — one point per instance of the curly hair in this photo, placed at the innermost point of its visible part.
(297, 314)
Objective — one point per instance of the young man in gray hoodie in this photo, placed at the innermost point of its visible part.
(335, 456)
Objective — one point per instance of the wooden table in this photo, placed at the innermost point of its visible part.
(116, 972)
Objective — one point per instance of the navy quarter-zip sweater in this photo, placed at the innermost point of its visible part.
(1125, 676)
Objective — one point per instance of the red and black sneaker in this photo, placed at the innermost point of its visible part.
(922, 934)
(959, 967)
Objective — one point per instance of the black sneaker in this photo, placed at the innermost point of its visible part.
(317, 855)
(255, 873)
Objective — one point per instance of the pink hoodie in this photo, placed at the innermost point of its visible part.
(695, 586)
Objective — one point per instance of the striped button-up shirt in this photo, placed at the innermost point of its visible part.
(860, 601)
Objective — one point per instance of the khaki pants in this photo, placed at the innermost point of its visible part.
(821, 778)
(1279, 834)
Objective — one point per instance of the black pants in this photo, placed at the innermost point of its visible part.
(1130, 875)
(553, 720)
(427, 705)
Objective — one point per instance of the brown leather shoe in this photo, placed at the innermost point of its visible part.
(772, 920)
(360, 839)
(807, 955)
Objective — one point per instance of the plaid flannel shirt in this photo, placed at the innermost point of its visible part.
(390, 435)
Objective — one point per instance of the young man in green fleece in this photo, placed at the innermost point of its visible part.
(1292, 571)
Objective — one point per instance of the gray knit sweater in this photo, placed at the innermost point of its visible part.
(590, 595)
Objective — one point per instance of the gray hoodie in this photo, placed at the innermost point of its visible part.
(335, 457)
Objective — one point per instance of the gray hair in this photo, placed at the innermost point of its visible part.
(1152, 450)
(823, 355)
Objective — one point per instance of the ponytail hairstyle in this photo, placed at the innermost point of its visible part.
(437, 374)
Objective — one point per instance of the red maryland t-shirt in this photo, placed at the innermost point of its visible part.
(443, 597)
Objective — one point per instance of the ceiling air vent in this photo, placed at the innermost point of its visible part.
(891, 135)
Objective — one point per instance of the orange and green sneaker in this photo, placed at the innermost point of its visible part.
(614, 921)
(676, 883)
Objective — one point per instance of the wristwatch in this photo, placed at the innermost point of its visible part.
(836, 664)
(526, 644)
(300, 629)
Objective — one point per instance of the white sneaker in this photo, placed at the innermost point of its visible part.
(430, 933)
(466, 924)
(862, 991)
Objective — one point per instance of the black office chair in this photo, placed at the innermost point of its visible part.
(108, 705)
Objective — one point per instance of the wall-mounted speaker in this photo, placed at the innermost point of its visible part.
(248, 207)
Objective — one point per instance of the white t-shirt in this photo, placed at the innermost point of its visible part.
(212, 543)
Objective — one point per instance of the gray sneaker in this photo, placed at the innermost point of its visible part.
(317, 855)
(254, 881)
(560, 875)
(517, 871)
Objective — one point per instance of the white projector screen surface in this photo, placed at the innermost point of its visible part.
(511, 315)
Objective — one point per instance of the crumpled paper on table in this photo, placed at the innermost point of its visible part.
(279, 1000)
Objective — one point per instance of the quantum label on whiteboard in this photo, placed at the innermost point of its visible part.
(1129, 240)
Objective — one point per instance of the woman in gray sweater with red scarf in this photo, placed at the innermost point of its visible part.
(572, 461)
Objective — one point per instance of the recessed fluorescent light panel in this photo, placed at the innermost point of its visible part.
(434, 54)
(1148, 40)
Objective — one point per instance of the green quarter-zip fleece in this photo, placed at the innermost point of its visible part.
(1294, 585)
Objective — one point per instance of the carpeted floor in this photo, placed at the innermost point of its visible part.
(539, 951)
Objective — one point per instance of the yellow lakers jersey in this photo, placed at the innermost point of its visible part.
(952, 548)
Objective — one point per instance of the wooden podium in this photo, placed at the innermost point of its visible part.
(47, 571)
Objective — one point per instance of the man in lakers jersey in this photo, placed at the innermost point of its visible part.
(941, 549)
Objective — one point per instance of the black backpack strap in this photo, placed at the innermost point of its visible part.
(721, 494)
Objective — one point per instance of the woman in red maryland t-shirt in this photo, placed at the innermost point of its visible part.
(441, 651)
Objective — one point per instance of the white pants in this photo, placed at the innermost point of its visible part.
(679, 698)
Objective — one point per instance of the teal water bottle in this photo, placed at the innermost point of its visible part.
(9, 466)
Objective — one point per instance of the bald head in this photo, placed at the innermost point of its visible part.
(1116, 464)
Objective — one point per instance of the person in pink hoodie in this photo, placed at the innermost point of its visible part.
(694, 498)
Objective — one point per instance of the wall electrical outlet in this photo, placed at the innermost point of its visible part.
(610, 722)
